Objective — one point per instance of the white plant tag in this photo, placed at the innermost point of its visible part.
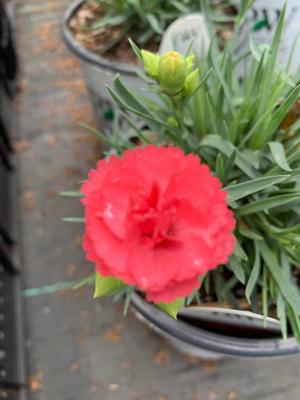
(262, 20)
(184, 32)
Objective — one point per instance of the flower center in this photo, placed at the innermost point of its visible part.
(155, 222)
(157, 229)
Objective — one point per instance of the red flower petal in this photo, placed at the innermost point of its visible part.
(93, 257)
(156, 219)
(173, 292)
(152, 269)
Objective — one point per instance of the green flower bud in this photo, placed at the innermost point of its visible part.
(151, 61)
(172, 122)
(172, 73)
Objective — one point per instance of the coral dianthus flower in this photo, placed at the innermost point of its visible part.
(157, 219)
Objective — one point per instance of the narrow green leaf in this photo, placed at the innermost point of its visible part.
(213, 58)
(128, 295)
(97, 134)
(181, 7)
(272, 58)
(219, 167)
(136, 50)
(206, 283)
(278, 154)
(239, 252)
(139, 132)
(241, 190)
(245, 6)
(277, 118)
(71, 194)
(222, 290)
(230, 164)
(281, 314)
(89, 280)
(138, 8)
(78, 220)
(265, 305)
(236, 267)
(285, 264)
(286, 286)
(254, 276)
(249, 233)
(294, 322)
(257, 137)
(227, 148)
(154, 23)
(267, 204)
(107, 285)
(129, 97)
(108, 21)
(195, 297)
(128, 101)
(173, 308)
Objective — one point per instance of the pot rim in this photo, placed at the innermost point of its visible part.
(86, 55)
(217, 343)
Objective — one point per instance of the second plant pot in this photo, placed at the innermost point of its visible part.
(98, 71)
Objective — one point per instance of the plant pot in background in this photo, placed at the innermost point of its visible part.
(98, 71)
(212, 342)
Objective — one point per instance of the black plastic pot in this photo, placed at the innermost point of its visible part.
(98, 71)
(206, 344)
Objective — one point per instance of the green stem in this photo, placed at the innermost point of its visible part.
(178, 113)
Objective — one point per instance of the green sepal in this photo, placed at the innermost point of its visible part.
(151, 61)
(191, 83)
(105, 286)
(190, 62)
(173, 308)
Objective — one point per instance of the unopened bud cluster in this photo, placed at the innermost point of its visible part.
(174, 73)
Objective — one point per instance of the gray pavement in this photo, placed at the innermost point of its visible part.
(78, 348)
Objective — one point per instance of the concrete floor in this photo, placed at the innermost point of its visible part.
(79, 348)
